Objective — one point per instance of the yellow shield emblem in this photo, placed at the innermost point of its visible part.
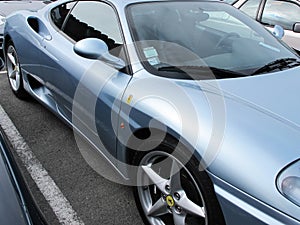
(170, 201)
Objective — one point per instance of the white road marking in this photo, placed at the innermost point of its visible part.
(2, 72)
(57, 201)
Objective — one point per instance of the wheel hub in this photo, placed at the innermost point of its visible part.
(170, 201)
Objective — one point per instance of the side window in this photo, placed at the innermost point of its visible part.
(94, 19)
(59, 13)
(283, 13)
(250, 7)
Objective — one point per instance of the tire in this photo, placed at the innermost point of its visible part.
(187, 197)
(14, 72)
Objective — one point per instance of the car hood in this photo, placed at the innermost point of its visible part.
(276, 94)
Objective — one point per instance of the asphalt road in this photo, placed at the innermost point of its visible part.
(95, 199)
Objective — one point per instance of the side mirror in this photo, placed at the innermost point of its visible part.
(278, 31)
(94, 48)
(1, 64)
(296, 27)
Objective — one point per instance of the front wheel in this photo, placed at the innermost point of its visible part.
(169, 192)
(14, 72)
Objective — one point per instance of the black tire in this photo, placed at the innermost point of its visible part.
(14, 73)
(191, 182)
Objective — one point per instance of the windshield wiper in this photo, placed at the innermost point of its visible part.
(278, 64)
(203, 72)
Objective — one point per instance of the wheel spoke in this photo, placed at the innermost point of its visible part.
(159, 208)
(155, 178)
(17, 80)
(190, 206)
(175, 182)
(179, 219)
(13, 75)
(12, 59)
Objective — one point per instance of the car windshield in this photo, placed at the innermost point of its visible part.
(174, 38)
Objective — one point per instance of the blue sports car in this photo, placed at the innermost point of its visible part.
(193, 103)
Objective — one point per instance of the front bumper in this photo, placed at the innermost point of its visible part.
(240, 208)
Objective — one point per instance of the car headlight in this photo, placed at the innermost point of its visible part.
(2, 20)
(288, 182)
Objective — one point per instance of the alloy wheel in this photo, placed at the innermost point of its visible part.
(166, 189)
(13, 68)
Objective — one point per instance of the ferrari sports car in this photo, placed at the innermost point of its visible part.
(193, 103)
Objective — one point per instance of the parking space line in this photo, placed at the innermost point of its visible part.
(2, 72)
(57, 201)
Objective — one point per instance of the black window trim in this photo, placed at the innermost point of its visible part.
(50, 18)
(128, 69)
(259, 9)
(68, 15)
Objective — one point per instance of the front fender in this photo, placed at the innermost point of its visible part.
(154, 106)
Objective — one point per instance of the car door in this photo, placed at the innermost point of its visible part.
(87, 92)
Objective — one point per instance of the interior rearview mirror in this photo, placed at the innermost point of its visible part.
(94, 48)
(296, 27)
(278, 31)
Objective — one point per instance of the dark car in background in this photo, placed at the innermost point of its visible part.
(285, 13)
(8, 7)
(16, 204)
